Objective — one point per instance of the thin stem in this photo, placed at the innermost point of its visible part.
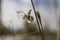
(37, 19)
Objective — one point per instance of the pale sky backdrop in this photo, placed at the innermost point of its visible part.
(49, 10)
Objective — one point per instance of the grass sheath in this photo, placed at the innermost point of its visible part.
(38, 21)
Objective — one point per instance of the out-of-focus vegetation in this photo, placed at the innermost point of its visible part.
(3, 29)
(29, 28)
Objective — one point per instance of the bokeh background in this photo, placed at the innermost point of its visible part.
(10, 24)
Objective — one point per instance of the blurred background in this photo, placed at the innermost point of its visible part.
(14, 27)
